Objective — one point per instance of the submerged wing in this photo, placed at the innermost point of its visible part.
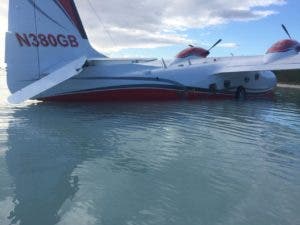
(58, 76)
(269, 62)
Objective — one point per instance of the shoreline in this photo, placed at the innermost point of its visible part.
(291, 86)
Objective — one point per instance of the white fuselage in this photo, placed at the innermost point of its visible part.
(102, 81)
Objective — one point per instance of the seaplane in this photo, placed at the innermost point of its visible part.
(50, 58)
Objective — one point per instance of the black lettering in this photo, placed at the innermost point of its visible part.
(34, 39)
(61, 39)
(73, 41)
(52, 40)
(23, 40)
(43, 40)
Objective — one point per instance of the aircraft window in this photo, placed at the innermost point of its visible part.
(227, 83)
(247, 79)
(257, 76)
(213, 88)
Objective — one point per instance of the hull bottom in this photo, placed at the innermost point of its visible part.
(148, 94)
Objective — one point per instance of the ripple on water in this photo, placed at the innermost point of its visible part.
(222, 162)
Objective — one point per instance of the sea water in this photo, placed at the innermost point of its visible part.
(162, 163)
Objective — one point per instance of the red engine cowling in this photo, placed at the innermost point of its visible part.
(193, 51)
(284, 46)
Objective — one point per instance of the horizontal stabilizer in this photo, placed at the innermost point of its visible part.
(58, 76)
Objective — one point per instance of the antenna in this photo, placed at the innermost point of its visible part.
(102, 23)
(286, 31)
(164, 63)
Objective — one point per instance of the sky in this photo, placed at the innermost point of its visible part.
(162, 28)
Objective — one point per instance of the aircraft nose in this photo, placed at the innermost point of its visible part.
(273, 81)
(270, 79)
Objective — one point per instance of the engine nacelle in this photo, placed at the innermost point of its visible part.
(193, 52)
(190, 54)
(285, 46)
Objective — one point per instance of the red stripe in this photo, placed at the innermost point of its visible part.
(71, 10)
(146, 95)
(136, 95)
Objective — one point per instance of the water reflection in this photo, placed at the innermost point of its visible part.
(47, 142)
(154, 163)
(41, 160)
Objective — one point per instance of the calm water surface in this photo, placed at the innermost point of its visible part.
(177, 163)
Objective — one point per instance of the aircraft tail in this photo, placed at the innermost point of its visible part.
(42, 35)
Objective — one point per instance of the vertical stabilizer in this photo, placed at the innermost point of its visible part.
(43, 35)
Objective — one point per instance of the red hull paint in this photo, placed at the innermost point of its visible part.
(137, 95)
(146, 95)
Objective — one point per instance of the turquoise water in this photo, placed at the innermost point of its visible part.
(182, 163)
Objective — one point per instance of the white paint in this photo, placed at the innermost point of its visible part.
(66, 72)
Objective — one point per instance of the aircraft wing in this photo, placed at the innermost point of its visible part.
(58, 76)
(122, 60)
(269, 62)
